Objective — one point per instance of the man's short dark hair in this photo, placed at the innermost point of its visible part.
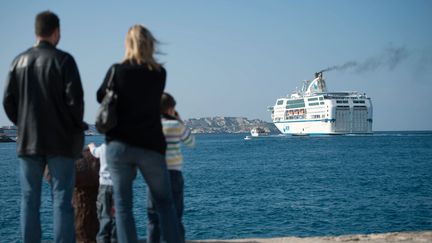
(167, 102)
(46, 23)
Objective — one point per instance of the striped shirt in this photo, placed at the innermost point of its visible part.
(176, 132)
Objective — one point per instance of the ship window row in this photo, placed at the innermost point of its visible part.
(280, 102)
(315, 103)
(295, 114)
(295, 117)
(292, 102)
(342, 101)
(359, 101)
(293, 106)
(337, 98)
(316, 98)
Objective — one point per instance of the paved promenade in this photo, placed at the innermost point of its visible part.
(405, 237)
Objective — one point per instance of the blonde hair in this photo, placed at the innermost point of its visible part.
(140, 47)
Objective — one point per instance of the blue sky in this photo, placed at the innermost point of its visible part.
(236, 57)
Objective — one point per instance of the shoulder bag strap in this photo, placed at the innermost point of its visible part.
(110, 85)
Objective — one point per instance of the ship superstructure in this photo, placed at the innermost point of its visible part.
(314, 110)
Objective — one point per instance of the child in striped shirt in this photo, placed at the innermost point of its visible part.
(175, 132)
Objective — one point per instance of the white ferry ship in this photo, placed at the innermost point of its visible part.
(313, 110)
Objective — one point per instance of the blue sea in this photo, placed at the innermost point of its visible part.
(279, 186)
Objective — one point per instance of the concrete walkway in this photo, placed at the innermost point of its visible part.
(398, 237)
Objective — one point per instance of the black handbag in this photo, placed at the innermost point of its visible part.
(106, 116)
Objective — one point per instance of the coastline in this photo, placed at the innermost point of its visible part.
(401, 237)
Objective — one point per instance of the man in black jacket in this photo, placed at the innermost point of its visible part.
(44, 98)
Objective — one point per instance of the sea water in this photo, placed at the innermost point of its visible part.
(279, 186)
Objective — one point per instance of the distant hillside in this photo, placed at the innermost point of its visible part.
(227, 125)
(218, 125)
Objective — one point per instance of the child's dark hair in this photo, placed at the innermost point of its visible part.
(167, 102)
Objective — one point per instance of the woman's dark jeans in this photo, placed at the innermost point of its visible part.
(177, 185)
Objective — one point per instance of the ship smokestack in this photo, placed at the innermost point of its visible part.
(322, 87)
(319, 74)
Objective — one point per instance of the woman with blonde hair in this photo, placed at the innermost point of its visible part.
(137, 141)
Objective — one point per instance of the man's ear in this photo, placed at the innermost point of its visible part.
(56, 36)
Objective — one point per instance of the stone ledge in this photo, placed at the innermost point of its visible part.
(397, 237)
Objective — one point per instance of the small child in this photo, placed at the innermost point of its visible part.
(105, 202)
(175, 132)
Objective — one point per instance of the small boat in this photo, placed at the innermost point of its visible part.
(258, 132)
(300, 134)
(248, 138)
(89, 133)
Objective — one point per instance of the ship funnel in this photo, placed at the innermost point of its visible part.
(318, 85)
(319, 74)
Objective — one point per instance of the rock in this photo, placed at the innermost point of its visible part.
(84, 198)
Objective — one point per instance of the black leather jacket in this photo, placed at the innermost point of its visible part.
(44, 98)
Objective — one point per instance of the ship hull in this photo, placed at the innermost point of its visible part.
(316, 127)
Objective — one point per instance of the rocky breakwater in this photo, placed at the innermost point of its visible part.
(84, 198)
(395, 237)
(220, 124)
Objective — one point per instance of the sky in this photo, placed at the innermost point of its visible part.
(236, 57)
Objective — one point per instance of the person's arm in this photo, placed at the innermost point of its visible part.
(95, 151)
(74, 95)
(10, 97)
(187, 137)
